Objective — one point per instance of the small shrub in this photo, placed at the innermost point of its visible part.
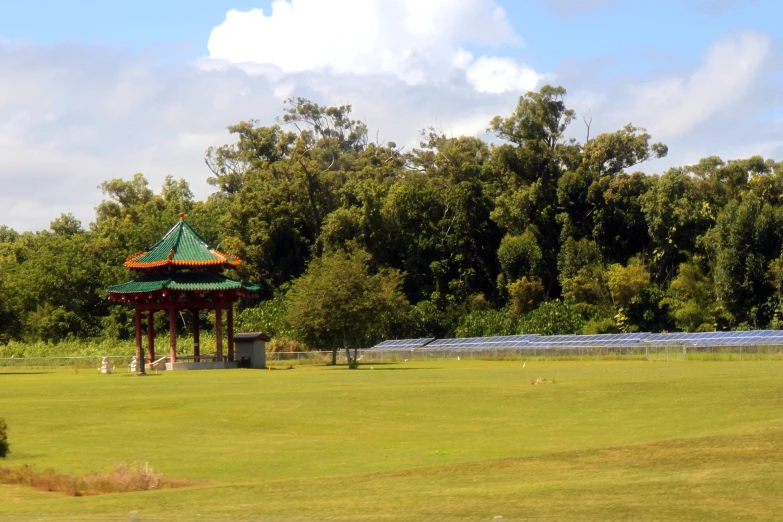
(3, 439)
(123, 478)
(285, 344)
(46, 480)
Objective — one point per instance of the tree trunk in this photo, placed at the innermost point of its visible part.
(347, 351)
(313, 203)
(334, 355)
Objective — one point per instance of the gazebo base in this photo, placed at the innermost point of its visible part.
(218, 365)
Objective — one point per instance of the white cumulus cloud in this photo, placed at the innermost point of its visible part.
(496, 75)
(73, 116)
(673, 106)
(416, 41)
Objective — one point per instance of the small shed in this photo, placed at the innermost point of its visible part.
(251, 349)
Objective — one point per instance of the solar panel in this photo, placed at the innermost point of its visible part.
(472, 343)
(596, 340)
(717, 338)
(402, 344)
(534, 341)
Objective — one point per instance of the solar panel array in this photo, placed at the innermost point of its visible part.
(534, 341)
(476, 343)
(402, 344)
(749, 337)
(577, 341)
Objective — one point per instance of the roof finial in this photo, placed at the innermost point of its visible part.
(182, 216)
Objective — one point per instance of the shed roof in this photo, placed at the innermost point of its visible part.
(252, 336)
(181, 247)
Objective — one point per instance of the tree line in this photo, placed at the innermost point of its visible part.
(354, 241)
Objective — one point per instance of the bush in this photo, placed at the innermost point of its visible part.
(267, 317)
(487, 323)
(3, 439)
(602, 325)
(429, 319)
(525, 294)
(285, 344)
(553, 318)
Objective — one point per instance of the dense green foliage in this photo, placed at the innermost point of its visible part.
(534, 233)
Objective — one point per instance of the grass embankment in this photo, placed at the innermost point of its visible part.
(412, 441)
(74, 348)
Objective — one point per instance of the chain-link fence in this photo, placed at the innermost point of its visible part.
(122, 362)
(638, 352)
(119, 361)
(311, 356)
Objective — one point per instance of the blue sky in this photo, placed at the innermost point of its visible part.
(632, 31)
(91, 90)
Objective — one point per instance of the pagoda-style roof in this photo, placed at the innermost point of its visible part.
(155, 282)
(181, 247)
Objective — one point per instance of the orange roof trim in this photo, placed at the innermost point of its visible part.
(223, 259)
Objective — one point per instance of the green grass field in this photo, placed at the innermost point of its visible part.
(437, 439)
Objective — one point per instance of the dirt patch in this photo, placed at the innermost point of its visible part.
(540, 381)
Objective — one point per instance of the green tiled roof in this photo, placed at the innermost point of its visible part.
(187, 281)
(181, 246)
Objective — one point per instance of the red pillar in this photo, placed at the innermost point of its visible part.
(219, 334)
(230, 340)
(150, 336)
(138, 337)
(196, 337)
(173, 334)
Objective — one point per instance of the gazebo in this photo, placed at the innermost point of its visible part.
(182, 272)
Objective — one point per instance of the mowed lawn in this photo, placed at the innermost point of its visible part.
(418, 440)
